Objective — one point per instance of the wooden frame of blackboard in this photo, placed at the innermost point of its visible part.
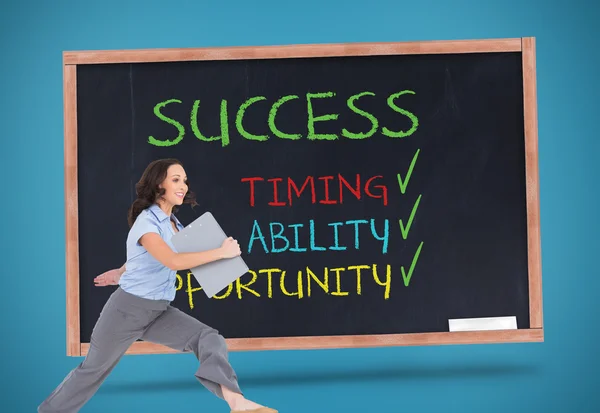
(525, 45)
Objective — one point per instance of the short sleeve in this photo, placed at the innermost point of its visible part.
(143, 225)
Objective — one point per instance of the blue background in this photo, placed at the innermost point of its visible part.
(559, 375)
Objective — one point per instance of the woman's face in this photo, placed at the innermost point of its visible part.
(175, 185)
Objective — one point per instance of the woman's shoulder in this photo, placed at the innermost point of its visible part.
(145, 222)
(152, 213)
(144, 217)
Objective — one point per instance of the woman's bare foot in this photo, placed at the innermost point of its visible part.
(244, 404)
(237, 401)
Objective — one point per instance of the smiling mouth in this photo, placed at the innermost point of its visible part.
(179, 194)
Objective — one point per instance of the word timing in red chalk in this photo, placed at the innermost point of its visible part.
(332, 188)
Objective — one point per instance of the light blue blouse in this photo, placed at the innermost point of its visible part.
(144, 275)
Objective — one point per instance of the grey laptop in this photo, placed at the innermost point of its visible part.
(205, 234)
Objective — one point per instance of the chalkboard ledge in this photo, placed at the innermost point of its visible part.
(338, 342)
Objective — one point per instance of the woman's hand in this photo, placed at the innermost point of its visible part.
(230, 248)
(110, 277)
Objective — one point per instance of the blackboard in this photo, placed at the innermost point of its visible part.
(377, 190)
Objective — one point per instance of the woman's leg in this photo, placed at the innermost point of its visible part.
(118, 326)
(181, 332)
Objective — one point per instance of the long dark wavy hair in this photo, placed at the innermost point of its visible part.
(147, 188)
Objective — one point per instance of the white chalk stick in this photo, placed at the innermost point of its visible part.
(483, 323)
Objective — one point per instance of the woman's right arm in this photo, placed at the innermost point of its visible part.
(159, 249)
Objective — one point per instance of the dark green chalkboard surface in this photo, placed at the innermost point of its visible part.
(378, 191)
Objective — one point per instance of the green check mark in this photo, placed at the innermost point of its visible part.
(405, 277)
(403, 184)
(406, 229)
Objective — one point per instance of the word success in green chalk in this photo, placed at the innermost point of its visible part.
(270, 108)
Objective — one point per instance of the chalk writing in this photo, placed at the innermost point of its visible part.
(268, 107)
(309, 235)
(372, 188)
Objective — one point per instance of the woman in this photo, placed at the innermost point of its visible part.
(140, 307)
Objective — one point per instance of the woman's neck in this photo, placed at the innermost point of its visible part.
(167, 209)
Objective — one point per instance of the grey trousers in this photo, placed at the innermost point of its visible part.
(126, 318)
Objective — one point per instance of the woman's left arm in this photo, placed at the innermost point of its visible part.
(110, 277)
